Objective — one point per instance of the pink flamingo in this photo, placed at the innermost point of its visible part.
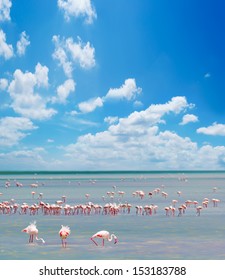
(64, 233)
(33, 193)
(164, 194)
(215, 202)
(150, 194)
(195, 202)
(34, 185)
(180, 209)
(198, 209)
(174, 201)
(40, 195)
(167, 209)
(121, 193)
(104, 235)
(7, 184)
(33, 232)
(18, 184)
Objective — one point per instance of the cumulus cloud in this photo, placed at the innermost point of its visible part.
(5, 6)
(60, 54)
(139, 123)
(41, 75)
(128, 91)
(136, 142)
(138, 103)
(144, 150)
(69, 53)
(111, 120)
(215, 129)
(21, 159)
(25, 100)
(82, 54)
(6, 50)
(209, 157)
(78, 8)
(63, 91)
(3, 84)
(22, 44)
(12, 130)
(90, 105)
(189, 118)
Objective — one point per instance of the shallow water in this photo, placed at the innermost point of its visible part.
(157, 237)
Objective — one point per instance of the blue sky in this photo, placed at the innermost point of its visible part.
(113, 84)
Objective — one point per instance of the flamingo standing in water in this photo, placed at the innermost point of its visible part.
(33, 232)
(64, 233)
(103, 234)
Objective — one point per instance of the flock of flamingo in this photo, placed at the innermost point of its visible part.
(64, 232)
(110, 207)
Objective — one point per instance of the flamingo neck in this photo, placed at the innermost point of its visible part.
(111, 237)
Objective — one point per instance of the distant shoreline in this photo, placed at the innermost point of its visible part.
(41, 172)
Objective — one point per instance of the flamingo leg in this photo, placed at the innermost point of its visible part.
(94, 241)
(103, 241)
(31, 238)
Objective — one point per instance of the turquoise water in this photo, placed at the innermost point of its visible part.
(157, 237)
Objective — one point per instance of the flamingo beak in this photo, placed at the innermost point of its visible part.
(116, 240)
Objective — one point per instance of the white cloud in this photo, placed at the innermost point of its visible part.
(5, 6)
(111, 120)
(138, 103)
(151, 116)
(41, 75)
(209, 157)
(61, 56)
(188, 118)
(5, 50)
(22, 159)
(3, 84)
(90, 105)
(82, 54)
(78, 8)
(69, 53)
(12, 130)
(22, 44)
(50, 140)
(63, 91)
(215, 129)
(149, 150)
(128, 91)
(25, 100)
(135, 142)
(73, 113)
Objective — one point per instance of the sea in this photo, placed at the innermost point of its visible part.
(141, 236)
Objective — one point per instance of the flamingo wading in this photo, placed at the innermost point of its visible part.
(33, 232)
(64, 233)
(103, 234)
